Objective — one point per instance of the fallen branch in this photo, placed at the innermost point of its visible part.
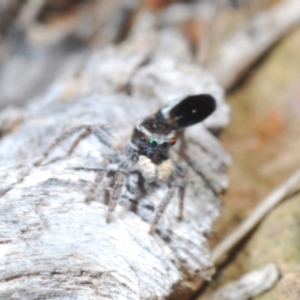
(54, 245)
(249, 44)
(290, 186)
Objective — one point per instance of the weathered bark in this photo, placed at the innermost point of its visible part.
(43, 49)
(54, 245)
(250, 43)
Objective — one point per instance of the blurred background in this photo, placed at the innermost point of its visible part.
(251, 47)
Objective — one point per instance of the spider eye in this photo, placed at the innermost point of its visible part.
(152, 144)
(164, 145)
(143, 139)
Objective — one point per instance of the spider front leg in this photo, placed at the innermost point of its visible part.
(162, 207)
(177, 181)
(120, 178)
(181, 183)
(181, 201)
(100, 174)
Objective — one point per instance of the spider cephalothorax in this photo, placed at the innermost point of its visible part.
(148, 151)
(152, 140)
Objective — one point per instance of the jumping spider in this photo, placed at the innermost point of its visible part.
(147, 152)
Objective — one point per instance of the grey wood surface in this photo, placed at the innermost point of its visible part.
(55, 246)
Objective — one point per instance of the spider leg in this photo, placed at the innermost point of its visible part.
(99, 131)
(59, 140)
(181, 201)
(177, 181)
(87, 130)
(100, 174)
(117, 189)
(181, 183)
(162, 206)
(91, 194)
(82, 136)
